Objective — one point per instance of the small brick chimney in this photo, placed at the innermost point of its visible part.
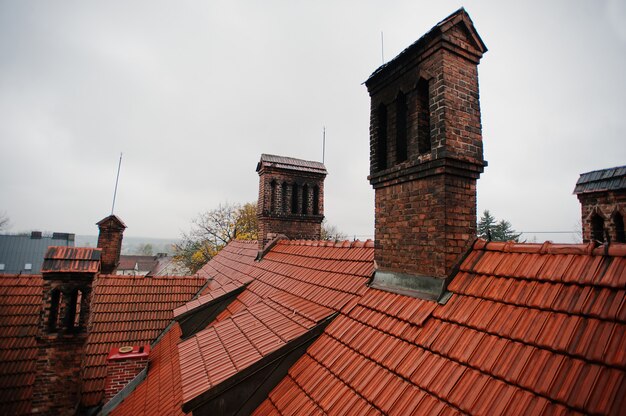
(291, 198)
(123, 365)
(426, 154)
(110, 241)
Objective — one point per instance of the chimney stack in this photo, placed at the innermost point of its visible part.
(602, 196)
(123, 365)
(110, 241)
(291, 198)
(426, 155)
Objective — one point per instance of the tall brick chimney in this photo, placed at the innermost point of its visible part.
(291, 198)
(110, 241)
(426, 154)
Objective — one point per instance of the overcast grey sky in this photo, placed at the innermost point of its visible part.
(193, 92)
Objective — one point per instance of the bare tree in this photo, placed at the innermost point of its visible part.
(4, 221)
(331, 232)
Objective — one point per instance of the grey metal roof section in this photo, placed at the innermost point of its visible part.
(611, 179)
(16, 251)
(291, 163)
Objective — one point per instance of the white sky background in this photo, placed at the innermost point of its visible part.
(193, 92)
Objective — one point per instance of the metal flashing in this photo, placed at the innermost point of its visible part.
(416, 286)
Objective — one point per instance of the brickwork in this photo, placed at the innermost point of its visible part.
(426, 194)
(122, 368)
(610, 206)
(63, 320)
(110, 241)
(56, 389)
(291, 202)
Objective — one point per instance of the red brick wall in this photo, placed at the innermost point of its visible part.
(122, 369)
(57, 385)
(274, 209)
(605, 204)
(426, 205)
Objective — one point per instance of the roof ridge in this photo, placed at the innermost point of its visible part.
(548, 247)
(369, 243)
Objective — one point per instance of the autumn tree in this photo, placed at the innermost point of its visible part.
(490, 228)
(212, 230)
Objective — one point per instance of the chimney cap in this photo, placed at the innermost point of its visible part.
(291, 163)
(128, 352)
(112, 220)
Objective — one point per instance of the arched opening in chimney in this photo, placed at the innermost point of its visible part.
(597, 228)
(401, 127)
(620, 233)
(305, 199)
(381, 137)
(294, 198)
(56, 298)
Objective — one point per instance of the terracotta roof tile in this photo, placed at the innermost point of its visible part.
(63, 259)
(160, 392)
(128, 310)
(20, 304)
(529, 329)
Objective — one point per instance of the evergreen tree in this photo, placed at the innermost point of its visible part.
(489, 228)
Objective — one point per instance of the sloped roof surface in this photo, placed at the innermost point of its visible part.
(529, 329)
(128, 310)
(329, 274)
(160, 392)
(60, 259)
(296, 285)
(291, 163)
(602, 180)
(20, 304)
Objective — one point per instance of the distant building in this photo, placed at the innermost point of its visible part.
(159, 265)
(23, 254)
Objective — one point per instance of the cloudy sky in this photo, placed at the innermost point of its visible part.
(192, 92)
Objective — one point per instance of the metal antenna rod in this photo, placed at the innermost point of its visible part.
(116, 181)
(324, 145)
(382, 47)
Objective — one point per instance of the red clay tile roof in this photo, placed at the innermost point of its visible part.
(212, 295)
(160, 392)
(297, 285)
(128, 310)
(20, 304)
(530, 329)
(61, 259)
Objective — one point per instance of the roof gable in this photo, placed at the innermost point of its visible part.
(112, 221)
(456, 30)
